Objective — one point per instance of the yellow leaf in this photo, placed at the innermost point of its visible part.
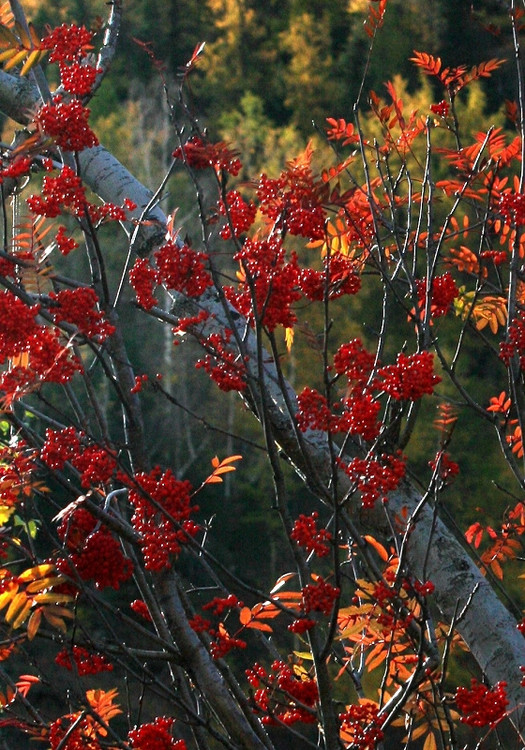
(56, 622)
(288, 337)
(16, 60)
(53, 598)
(18, 603)
(44, 583)
(6, 511)
(31, 574)
(22, 615)
(303, 655)
(33, 59)
(34, 623)
(6, 597)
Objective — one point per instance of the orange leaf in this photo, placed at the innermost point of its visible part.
(381, 551)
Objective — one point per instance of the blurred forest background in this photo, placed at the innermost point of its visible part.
(271, 73)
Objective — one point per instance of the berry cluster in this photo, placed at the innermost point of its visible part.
(240, 214)
(481, 706)
(267, 288)
(307, 535)
(515, 344)
(222, 364)
(374, 478)
(442, 109)
(19, 167)
(72, 732)
(319, 596)
(85, 662)
(144, 278)
(354, 361)
(156, 735)
(443, 293)
(301, 625)
(182, 269)
(59, 447)
(93, 551)
(338, 277)
(141, 609)
(77, 78)
(512, 208)
(410, 378)
(447, 468)
(293, 201)
(361, 725)
(64, 191)
(223, 642)
(17, 325)
(356, 415)
(64, 243)
(286, 695)
(67, 123)
(97, 466)
(164, 524)
(219, 604)
(200, 155)
(68, 43)
(78, 306)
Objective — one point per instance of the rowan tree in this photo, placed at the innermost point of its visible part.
(121, 625)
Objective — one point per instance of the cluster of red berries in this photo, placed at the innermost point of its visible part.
(155, 735)
(481, 706)
(85, 662)
(267, 289)
(284, 695)
(78, 78)
(354, 361)
(357, 414)
(67, 123)
(306, 533)
(240, 214)
(64, 243)
(293, 201)
(72, 732)
(319, 596)
(59, 447)
(442, 109)
(301, 625)
(375, 478)
(78, 306)
(68, 43)
(447, 468)
(222, 642)
(338, 277)
(512, 208)
(97, 466)
(200, 155)
(20, 166)
(17, 325)
(515, 344)
(410, 378)
(363, 725)
(222, 364)
(182, 269)
(93, 552)
(443, 293)
(63, 191)
(144, 278)
(95, 463)
(221, 603)
(165, 525)
(141, 609)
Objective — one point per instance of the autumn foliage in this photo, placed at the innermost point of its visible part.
(422, 221)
